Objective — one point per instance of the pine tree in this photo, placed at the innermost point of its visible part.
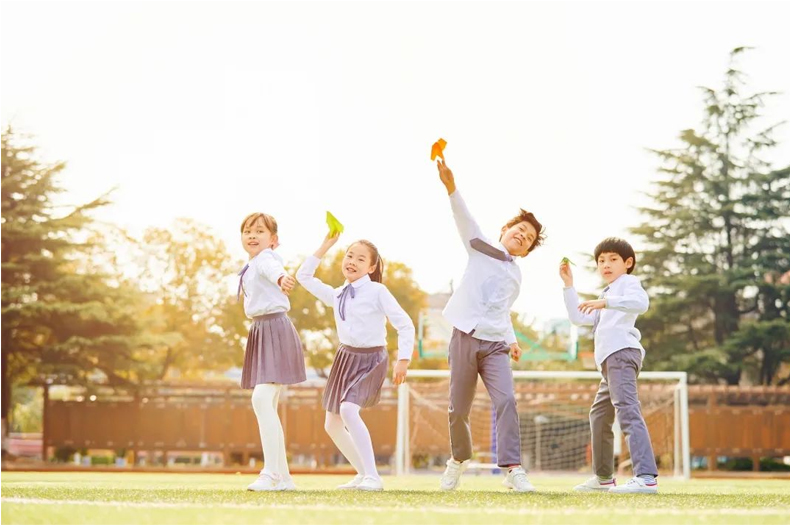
(718, 244)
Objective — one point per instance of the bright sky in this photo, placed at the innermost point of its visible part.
(213, 110)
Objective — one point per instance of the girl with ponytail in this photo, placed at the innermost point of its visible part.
(361, 306)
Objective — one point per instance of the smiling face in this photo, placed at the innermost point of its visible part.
(256, 237)
(611, 266)
(358, 262)
(518, 239)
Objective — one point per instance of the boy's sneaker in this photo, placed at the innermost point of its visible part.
(288, 483)
(636, 485)
(516, 479)
(452, 474)
(372, 484)
(266, 482)
(354, 483)
(595, 485)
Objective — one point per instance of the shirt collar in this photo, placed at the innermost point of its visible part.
(359, 282)
(620, 280)
(502, 247)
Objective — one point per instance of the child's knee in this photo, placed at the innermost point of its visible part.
(349, 411)
(331, 423)
(506, 404)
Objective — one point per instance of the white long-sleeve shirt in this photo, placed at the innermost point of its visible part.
(489, 287)
(625, 300)
(365, 325)
(262, 294)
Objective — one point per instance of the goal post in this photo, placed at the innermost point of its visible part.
(553, 411)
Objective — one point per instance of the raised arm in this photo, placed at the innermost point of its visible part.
(466, 224)
(572, 306)
(306, 274)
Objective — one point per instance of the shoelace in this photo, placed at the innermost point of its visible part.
(520, 476)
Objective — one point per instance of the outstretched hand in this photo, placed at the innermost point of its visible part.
(446, 176)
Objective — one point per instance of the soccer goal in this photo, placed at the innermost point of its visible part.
(554, 418)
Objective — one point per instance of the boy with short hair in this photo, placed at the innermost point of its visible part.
(619, 356)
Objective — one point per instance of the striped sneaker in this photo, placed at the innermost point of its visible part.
(636, 485)
(595, 485)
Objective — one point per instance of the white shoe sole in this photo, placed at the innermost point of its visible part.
(640, 491)
(590, 489)
(368, 489)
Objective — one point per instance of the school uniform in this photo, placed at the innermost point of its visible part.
(274, 352)
(479, 311)
(618, 356)
(361, 310)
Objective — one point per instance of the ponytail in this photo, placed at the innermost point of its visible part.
(376, 275)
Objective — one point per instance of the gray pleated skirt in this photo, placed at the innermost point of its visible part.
(356, 377)
(274, 353)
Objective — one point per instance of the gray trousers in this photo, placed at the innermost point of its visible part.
(469, 357)
(617, 396)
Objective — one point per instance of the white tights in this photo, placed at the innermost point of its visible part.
(352, 437)
(264, 402)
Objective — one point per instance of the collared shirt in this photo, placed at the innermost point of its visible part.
(262, 294)
(488, 289)
(366, 314)
(625, 300)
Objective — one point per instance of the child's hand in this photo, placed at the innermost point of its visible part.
(587, 307)
(287, 284)
(566, 275)
(331, 239)
(446, 177)
(515, 352)
(399, 371)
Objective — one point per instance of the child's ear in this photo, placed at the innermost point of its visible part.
(629, 263)
(275, 241)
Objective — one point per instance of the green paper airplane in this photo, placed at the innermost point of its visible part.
(334, 225)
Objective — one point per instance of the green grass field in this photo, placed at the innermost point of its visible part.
(107, 498)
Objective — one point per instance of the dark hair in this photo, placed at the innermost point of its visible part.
(525, 216)
(378, 273)
(252, 218)
(618, 246)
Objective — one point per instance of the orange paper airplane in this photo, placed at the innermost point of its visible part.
(437, 150)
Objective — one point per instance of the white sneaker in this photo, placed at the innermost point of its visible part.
(594, 485)
(636, 486)
(288, 483)
(354, 483)
(452, 474)
(372, 484)
(266, 482)
(516, 479)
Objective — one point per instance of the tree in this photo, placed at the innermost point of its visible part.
(718, 243)
(316, 322)
(185, 269)
(62, 320)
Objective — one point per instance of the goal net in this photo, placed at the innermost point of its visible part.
(553, 409)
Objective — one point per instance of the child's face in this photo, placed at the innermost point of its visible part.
(518, 238)
(357, 263)
(256, 237)
(611, 266)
